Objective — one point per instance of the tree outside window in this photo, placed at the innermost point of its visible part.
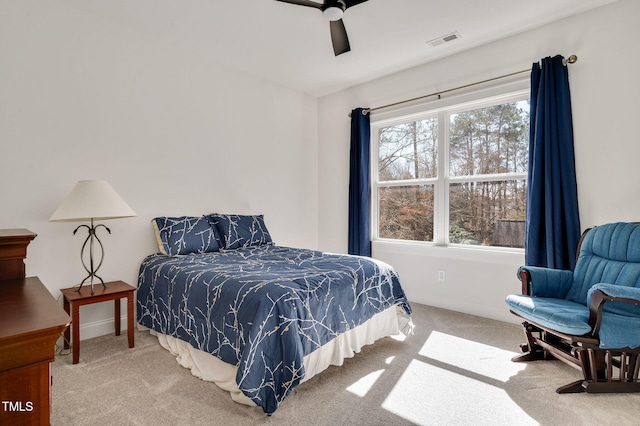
(480, 181)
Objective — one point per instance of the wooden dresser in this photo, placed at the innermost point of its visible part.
(30, 323)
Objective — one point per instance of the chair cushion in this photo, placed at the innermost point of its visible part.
(562, 315)
(610, 254)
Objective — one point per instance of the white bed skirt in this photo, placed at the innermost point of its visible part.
(210, 368)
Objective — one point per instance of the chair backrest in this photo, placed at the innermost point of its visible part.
(608, 254)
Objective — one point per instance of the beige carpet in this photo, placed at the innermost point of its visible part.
(455, 370)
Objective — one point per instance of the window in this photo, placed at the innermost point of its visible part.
(454, 175)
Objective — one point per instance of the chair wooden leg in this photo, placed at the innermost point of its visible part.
(600, 367)
(634, 367)
(530, 350)
(575, 387)
(604, 370)
(580, 385)
(586, 364)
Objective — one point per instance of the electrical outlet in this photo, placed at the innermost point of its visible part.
(442, 276)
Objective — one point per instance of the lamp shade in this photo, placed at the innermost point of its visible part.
(92, 199)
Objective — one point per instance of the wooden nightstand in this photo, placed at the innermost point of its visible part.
(73, 299)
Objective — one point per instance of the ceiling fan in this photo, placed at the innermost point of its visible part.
(333, 11)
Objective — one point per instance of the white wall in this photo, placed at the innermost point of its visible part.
(605, 92)
(174, 132)
(85, 98)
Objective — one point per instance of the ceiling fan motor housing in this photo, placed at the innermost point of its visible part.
(333, 13)
(340, 4)
(333, 10)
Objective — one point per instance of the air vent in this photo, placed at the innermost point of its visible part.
(444, 39)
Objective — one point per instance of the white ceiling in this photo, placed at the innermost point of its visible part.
(290, 45)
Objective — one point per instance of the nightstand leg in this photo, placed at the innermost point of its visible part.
(116, 320)
(130, 318)
(75, 335)
(67, 331)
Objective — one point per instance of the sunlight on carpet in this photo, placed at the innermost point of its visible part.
(453, 370)
(362, 386)
(399, 337)
(413, 399)
(476, 357)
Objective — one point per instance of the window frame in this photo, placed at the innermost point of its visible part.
(517, 90)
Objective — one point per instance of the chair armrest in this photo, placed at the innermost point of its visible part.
(545, 282)
(600, 293)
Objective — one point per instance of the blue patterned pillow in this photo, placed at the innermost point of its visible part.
(184, 235)
(237, 231)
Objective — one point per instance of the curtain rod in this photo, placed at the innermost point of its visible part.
(570, 60)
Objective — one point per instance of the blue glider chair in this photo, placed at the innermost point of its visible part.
(588, 317)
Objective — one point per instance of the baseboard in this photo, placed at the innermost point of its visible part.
(473, 309)
(100, 328)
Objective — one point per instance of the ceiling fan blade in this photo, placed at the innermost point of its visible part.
(303, 3)
(339, 37)
(350, 3)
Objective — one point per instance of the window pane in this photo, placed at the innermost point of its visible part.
(488, 213)
(490, 140)
(406, 212)
(408, 150)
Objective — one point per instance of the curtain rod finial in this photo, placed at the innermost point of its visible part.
(364, 111)
(571, 59)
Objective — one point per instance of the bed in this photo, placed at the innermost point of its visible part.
(257, 318)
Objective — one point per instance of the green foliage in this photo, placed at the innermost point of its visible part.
(460, 235)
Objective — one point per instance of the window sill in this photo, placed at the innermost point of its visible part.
(453, 251)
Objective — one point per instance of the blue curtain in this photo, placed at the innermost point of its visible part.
(360, 185)
(553, 223)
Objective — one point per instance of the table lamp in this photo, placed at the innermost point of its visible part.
(91, 200)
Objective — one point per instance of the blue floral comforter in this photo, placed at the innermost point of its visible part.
(263, 308)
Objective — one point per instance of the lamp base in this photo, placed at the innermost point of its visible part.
(91, 268)
(91, 277)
